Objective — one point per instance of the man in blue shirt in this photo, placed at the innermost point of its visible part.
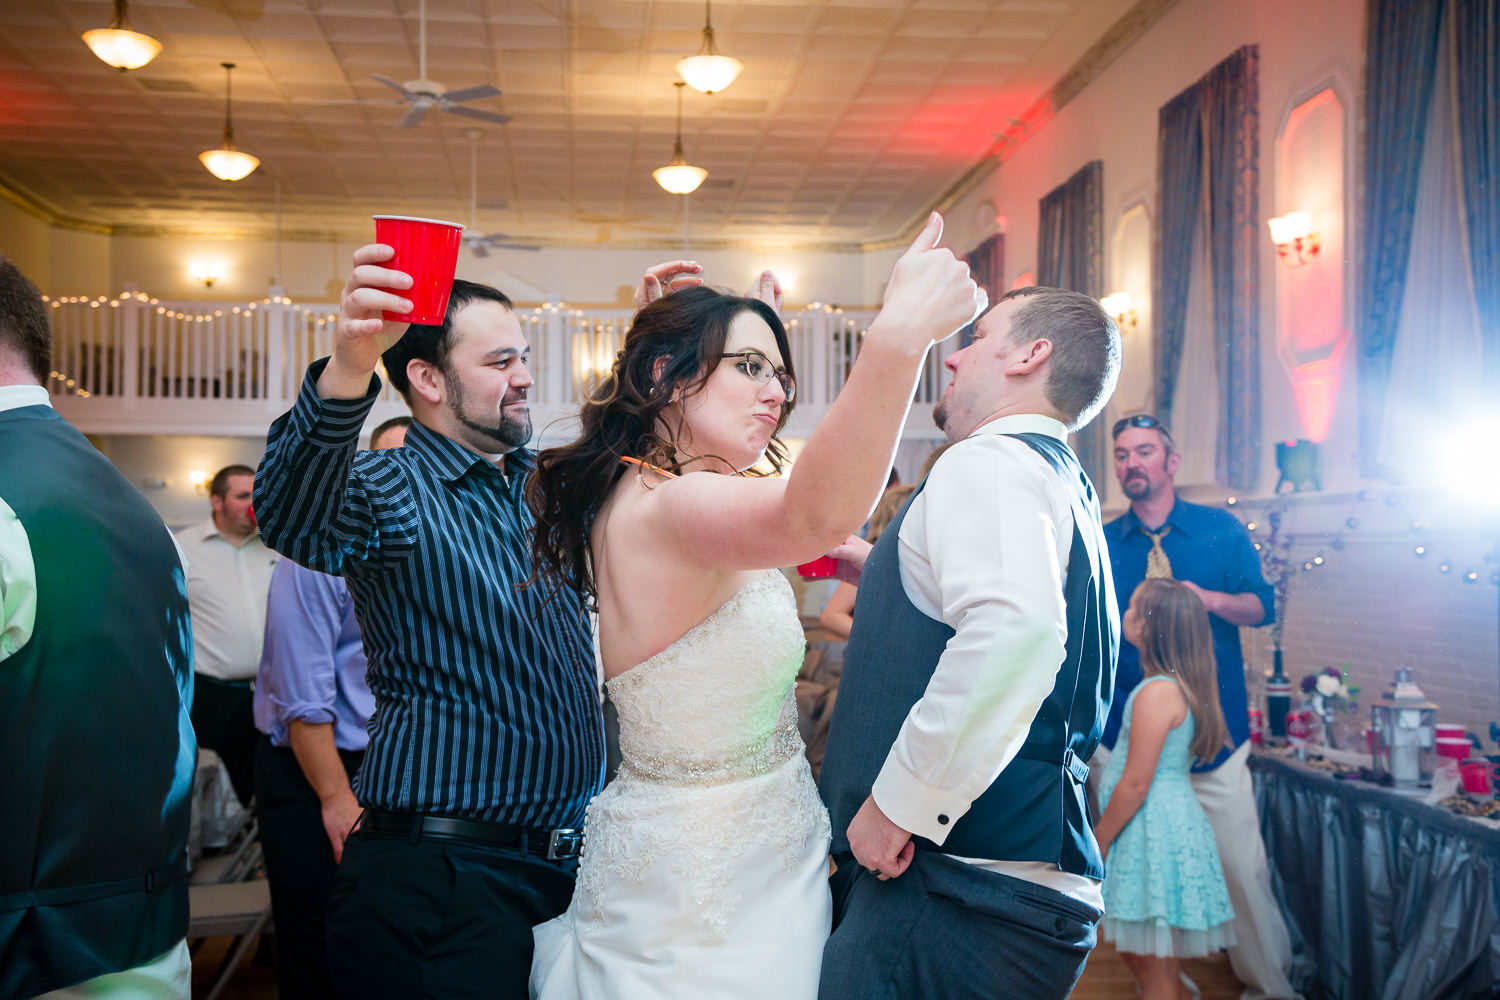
(313, 705)
(1210, 551)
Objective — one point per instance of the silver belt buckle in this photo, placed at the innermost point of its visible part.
(564, 844)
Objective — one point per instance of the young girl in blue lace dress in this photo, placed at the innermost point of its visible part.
(1164, 891)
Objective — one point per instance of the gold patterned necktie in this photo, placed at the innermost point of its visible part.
(1158, 566)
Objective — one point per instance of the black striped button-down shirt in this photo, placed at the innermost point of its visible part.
(486, 702)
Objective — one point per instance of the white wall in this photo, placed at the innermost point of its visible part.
(159, 466)
(314, 272)
(25, 239)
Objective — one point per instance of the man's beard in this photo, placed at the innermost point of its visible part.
(1136, 487)
(940, 415)
(502, 431)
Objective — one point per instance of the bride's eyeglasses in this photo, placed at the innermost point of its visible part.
(753, 364)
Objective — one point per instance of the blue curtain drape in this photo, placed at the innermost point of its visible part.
(1231, 130)
(1477, 73)
(1401, 48)
(1208, 161)
(1070, 254)
(1179, 200)
(987, 266)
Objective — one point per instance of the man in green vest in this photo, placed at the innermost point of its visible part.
(96, 749)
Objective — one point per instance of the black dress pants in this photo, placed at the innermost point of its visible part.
(438, 918)
(299, 867)
(224, 719)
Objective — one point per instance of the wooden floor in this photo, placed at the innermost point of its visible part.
(1105, 977)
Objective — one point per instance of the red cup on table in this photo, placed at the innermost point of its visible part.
(1458, 749)
(821, 568)
(426, 249)
(1475, 774)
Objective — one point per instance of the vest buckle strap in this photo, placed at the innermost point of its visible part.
(1075, 766)
(152, 880)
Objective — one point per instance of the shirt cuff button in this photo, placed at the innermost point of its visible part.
(943, 818)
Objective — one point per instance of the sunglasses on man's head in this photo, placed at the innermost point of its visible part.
(1145, 420)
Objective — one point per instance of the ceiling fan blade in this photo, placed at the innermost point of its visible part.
(472, 93)
(338, 104)
(484, 116)
(394, 86)
(410, 119)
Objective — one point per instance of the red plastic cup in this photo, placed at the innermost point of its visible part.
(1475, 774)
(821, 568)
(1458, 749)
(426, 249)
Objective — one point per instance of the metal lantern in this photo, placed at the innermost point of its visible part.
(1405, 728)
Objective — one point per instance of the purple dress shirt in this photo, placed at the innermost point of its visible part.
(312, 667)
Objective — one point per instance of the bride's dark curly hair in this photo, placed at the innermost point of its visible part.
(673, 346)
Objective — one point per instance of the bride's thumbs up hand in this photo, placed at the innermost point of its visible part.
(930, 295)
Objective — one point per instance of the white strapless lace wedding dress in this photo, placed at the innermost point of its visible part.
(704, 871)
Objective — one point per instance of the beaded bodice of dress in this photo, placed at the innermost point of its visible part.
(717, 704)
(713, 794)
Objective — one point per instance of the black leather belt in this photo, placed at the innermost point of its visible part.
(554, 845)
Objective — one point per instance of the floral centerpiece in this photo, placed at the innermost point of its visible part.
(1328, 695)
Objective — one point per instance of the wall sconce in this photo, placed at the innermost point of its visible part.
(1119, 306)
(200, 481)
(206, 273)
(1292, 233)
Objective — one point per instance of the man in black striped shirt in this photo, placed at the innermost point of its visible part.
(487, 742)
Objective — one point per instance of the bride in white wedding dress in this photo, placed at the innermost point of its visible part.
(705, 862)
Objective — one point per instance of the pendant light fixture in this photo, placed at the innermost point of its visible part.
(227, 163)
(120, 45)
(709, 71)
(679, 177)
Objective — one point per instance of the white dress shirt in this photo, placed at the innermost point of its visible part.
(983, 548)
(17, 572)
(227, 586)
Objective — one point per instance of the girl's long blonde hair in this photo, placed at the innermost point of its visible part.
(1176, 640)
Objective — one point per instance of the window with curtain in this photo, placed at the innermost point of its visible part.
(1208, 328)
(1070, 254)
(987, 266)
(1429, 310)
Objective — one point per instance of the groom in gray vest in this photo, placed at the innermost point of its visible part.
(976, 684)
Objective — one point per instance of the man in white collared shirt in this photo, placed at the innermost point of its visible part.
(229, 578)
(970, 706)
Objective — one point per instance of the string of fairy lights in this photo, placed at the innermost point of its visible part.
(1275, 545)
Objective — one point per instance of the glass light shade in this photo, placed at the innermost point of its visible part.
(1116, 304)
(228, 164)
(121, 47)
(679, 178)
(709, 73)
(1289, 227)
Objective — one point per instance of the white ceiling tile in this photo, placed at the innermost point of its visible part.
(851, 115)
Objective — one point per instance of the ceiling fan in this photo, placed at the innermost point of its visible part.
(480, 244)
(422, 94)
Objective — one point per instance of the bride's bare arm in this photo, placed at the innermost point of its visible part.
(727, 522)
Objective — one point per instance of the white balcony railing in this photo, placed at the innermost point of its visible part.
(136, 365)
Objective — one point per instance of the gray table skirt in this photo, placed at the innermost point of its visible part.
(1385, 898)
